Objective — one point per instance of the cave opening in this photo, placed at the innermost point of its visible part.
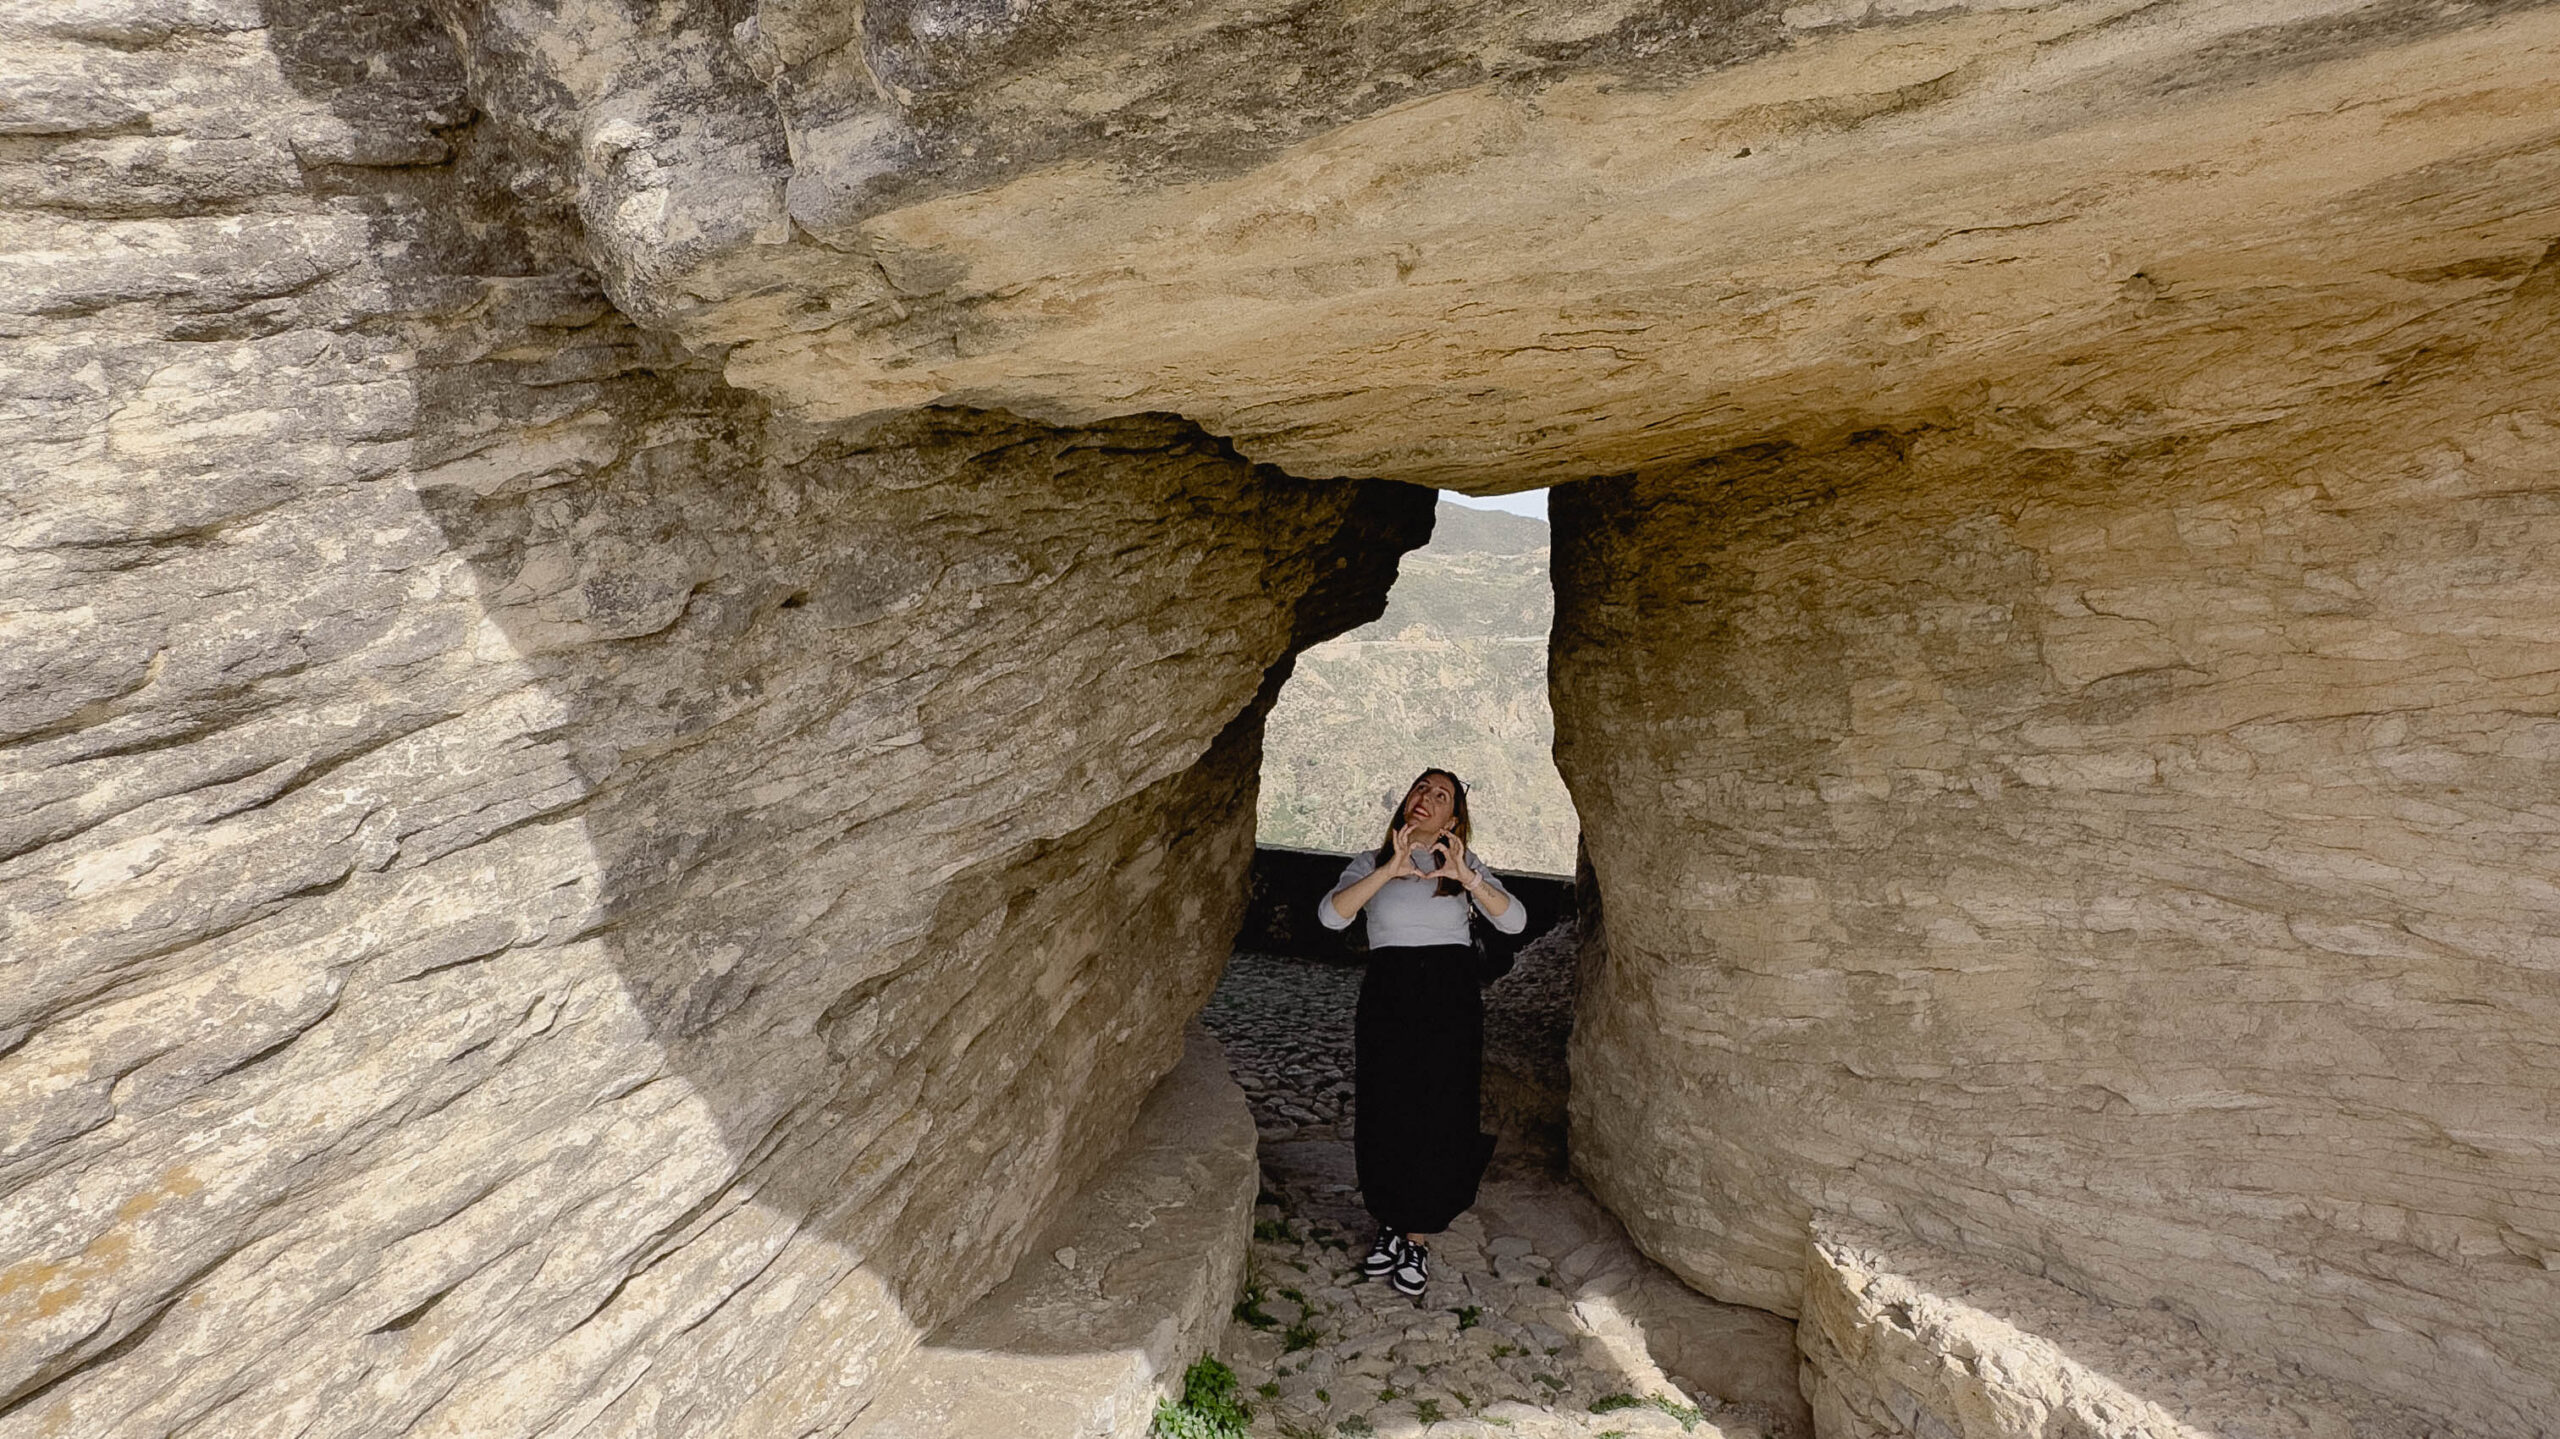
(1453, 676)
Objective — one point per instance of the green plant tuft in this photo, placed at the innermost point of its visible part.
(1210, 1407)
(1427, 1410)
(1688, 1414)
(1249, 1309)
(1301, 1335)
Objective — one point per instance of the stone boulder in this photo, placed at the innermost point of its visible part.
(537, 895)
(634, 640)
(1499, 243)
(2126, 867)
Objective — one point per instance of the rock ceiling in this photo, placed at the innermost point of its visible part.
(1490, 247)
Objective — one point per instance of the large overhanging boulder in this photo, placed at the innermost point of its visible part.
(636, 636)
(1496, 245)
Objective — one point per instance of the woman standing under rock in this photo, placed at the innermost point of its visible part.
(1418, 1041)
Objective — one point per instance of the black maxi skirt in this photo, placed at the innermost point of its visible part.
(1418, 1064)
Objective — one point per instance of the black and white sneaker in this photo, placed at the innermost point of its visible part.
(1412, 1271)
(1384, 1254)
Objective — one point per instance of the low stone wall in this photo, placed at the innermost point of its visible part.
(1125, 1287)
(1905, 1341)
(1280, 917)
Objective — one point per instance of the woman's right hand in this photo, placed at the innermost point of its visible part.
(1400, 860)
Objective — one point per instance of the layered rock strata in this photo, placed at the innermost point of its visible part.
(1900, 1337)
(2131, 867)
(1492, 243)
(536, 896)
(573, 858)
(1132, 1281)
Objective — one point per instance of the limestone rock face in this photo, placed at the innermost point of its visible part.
(535, 895)
(1493, 243)
(2131, 868)
(632, 640)
(1885, 1315)
(1127, 1285)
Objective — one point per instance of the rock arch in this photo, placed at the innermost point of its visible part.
(612, 611)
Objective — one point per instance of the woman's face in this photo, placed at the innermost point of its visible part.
(1429, 804)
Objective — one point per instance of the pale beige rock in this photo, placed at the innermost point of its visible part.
(2131, 867)
(536, 898)
(1903, 1340)
(1453, 243)
(550, 882)
(1127, 1286)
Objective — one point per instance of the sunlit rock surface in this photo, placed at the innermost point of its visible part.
(633, 640)
(1900, 1337)
(1495, 244)
(2132, 867)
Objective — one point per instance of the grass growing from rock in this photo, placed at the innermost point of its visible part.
(1210, 1408)
(1687, 1414)
(1248, 1307)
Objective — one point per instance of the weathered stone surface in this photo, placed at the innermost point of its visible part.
(1905, 1341)
(536, 897)
(1540, 1319)
(2132, 867)
(1490, 243)
(572, 860)
(1131, 1282)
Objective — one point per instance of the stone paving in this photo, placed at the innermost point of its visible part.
(1541, 1318)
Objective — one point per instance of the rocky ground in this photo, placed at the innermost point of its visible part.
(1541, 1318)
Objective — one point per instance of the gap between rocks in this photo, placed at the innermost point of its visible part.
(1542, 1318)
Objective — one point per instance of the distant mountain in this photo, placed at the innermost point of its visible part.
(1462, 529)
(1454, 674)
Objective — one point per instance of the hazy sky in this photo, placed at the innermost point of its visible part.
(1532, 503)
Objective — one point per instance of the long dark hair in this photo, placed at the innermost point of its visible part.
(1457, 823)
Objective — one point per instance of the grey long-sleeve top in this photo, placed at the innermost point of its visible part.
(1407, 911)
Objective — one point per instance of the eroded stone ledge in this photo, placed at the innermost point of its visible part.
(1903, 1341)
(1128, 1284)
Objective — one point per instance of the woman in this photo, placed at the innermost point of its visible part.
(1418, 1043)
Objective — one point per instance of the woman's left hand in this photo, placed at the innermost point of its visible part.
(1453, 859)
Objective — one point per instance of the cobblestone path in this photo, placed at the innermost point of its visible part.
(1541, 1318)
